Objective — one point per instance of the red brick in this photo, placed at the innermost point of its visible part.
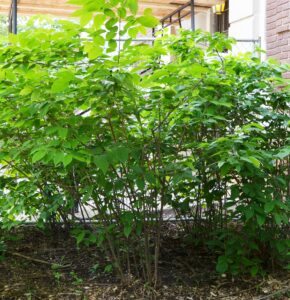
(282, 42)
(283, 28)
(278, 29)
(271, 12)
(286, 49)
(273, 18)
(283, 7)
(286, 6)
(284, 35)
(285, 14)
(282, 55)
(274, 52)
(271, 32)
(280, 2)
(272, 39)
(271, 5)
(271, 46)
(272, 26)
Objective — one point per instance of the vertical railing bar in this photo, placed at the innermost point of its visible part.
(179, 19)
(10, 19)
(192, 15)
(153, 35)
(14, 16)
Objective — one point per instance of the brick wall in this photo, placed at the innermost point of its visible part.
(278, 30)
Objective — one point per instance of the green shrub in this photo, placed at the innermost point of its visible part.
(204, 134)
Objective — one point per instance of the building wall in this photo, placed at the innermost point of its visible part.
(247, 21)
(202, 21)
(278, 30)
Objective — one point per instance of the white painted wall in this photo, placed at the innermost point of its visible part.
(202, 21)
(247, 21)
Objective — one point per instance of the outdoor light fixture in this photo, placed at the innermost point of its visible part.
(219, 8)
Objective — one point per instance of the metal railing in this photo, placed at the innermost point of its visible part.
(176, 16)
(180, 13)
(12, 18)
(247, 44)
(241, 46)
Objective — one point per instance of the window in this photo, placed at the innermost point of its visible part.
(222, 21)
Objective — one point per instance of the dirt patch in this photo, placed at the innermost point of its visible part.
(42, 266)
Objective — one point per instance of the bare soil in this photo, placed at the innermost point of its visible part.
(45, 266)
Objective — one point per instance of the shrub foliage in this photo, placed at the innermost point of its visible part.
(203, 135)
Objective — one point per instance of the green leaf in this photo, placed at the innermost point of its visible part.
(122, 154)
(99, 20)
(252, 160)
(59, 85)
(133, 32)
(86, 18)
(255, 161)
(58, 157)
(26, 91)
(261, 219)
(112, 46)
(2, 74)
(101, 161)
(148, 11)
(285, 218)
(235, 191)
(35, 96)
(67, 75)
(284, 152)
(148, 21)
(114, 2)
(254, 270)
(140, 183)
(122, 12)
(62, 132)
(127, 230)
(108, 268)
(67, 159)
(222, 264)
(93, 50)
(133, 6)
(38, 155)
(99, 40)
(281, 246)
(249, 212)
(111, 22)
(269, 206)
(222, 103)
(278, 218)
(80, 157)
(110, 13)
(92, 239)
(80, 237)
(225, 169)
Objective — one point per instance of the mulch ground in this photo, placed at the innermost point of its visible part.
(31, 270)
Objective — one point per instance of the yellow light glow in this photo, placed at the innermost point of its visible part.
(219, 8)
